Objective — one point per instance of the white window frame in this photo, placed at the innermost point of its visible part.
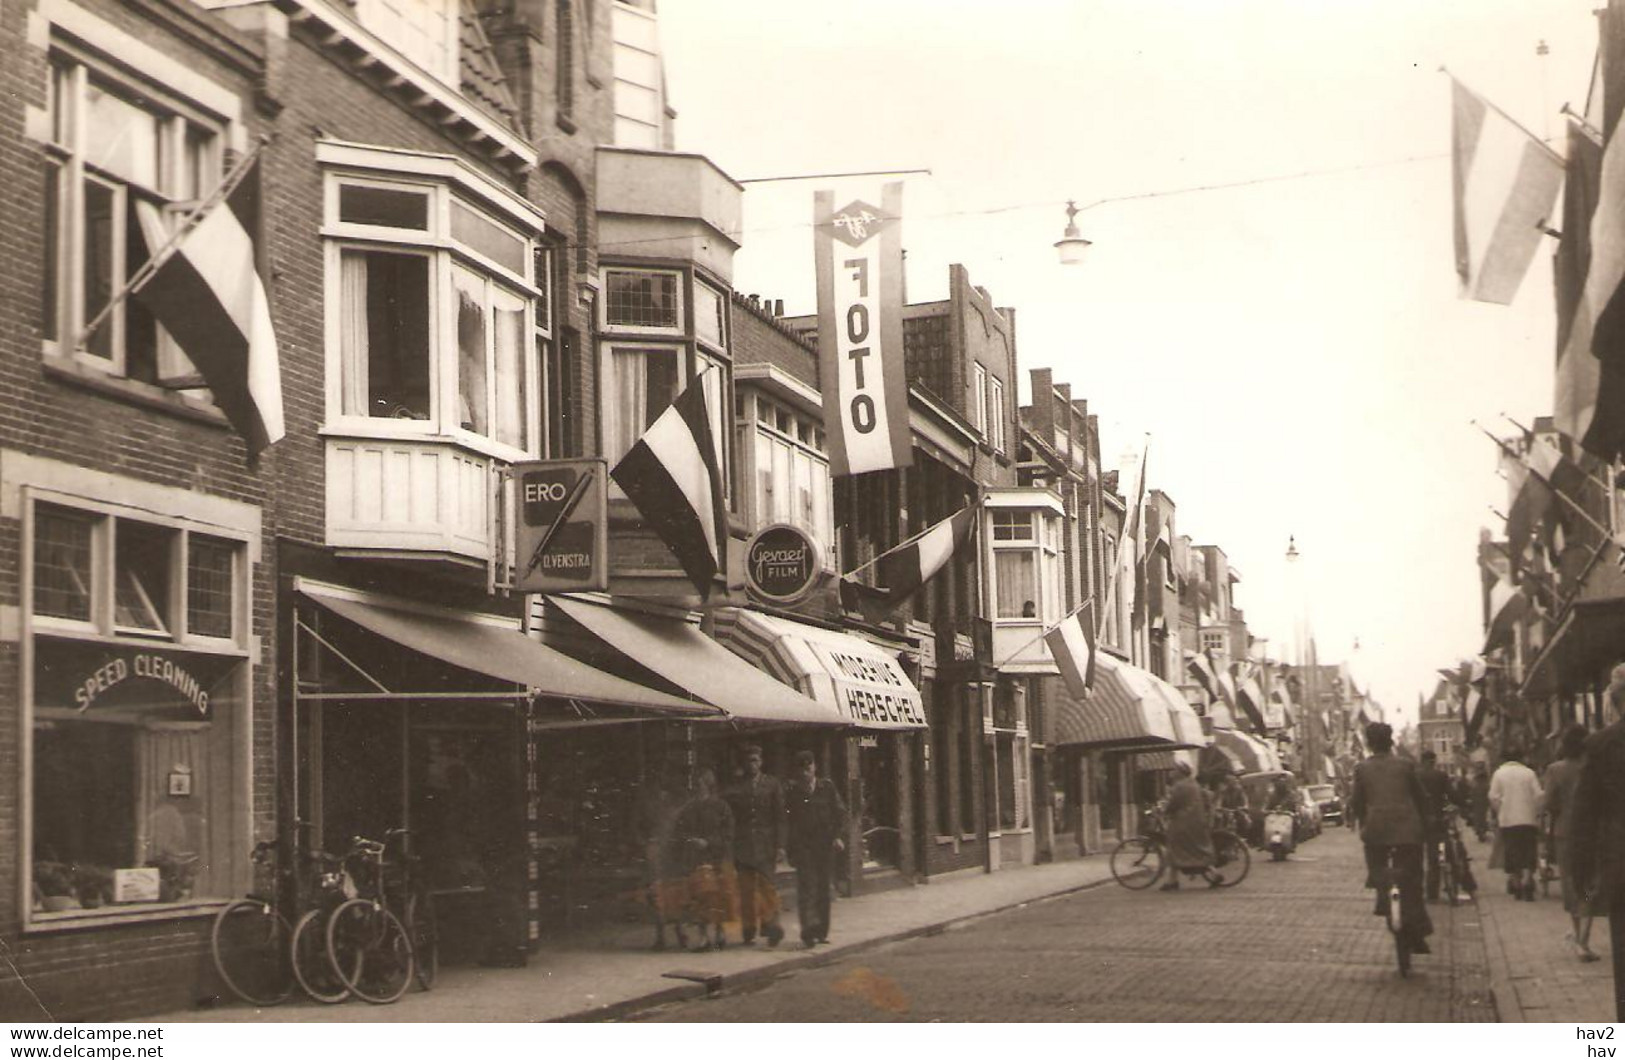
(610, 414)
(679, 311)
(175, 112)
(996, 414)
(978, 398)
(766, 428)
(443, 179)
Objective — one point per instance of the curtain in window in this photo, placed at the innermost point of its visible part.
(508, 314)
(630, 394)
(1013, 572)
(473, 401)
(354, 349)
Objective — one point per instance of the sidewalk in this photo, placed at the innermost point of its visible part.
(1534, 974)
(589, 979)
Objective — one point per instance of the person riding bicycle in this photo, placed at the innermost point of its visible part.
(1190, 831)
(1389, 805)
(1436, 785)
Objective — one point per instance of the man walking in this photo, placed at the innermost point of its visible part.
(1436, 786)
(815, 820)
(757, 802)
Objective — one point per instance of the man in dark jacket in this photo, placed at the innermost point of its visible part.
(1389, 806)
(1597, 838)
(757, 802)
(1436, 786)
(815, 820)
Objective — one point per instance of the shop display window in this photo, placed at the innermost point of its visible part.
(137, 713)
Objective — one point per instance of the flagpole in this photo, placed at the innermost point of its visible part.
(865, 566)
(159, 257)
(1581, 512)
(1047, 631)
(1515, 122)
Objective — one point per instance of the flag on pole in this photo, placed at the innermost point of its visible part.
(207, 293)
(1506, 184)
(672, 475)
(1508, 604)
(1201, 668)
(1072, 645)
(1575, 393)
(1599, 323)
(1250, 697)
(903, 569)
(1127, 547)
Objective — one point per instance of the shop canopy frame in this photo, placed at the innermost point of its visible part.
(483, 645)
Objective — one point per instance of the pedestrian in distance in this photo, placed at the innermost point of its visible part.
(705, 833)
(1388, 805)
(1562, 785)
(1190, 831)
(1598, 838)
(815, 827)
(1478, 801)
(757, 802)
(1436, 786)
(1515, 797)
(666, 887)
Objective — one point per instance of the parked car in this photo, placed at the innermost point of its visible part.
(1331, 806)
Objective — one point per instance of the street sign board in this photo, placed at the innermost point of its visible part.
(562, 526)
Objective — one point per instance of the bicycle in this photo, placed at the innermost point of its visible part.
(368, 947)
(311, 966)
(422, 924)
(1138, 861)
(1394, 917)
(1456, 876)
(250, 941)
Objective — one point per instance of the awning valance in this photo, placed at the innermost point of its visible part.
(680, 653)
(1581, 651)
(499, 652)
(1250, 754)
(1128, 708)
(862, 681)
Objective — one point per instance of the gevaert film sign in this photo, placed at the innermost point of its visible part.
(782, 563)
(562, 528)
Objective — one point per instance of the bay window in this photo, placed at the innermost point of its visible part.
(439, 317)
(792, 471)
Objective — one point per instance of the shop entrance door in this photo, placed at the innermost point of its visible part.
(877, 778)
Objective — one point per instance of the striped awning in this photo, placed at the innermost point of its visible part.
(1127, 709)
(861, 680)
(1250, 754)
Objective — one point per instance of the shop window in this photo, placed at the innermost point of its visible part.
(135, 741)
(443, 313)
(967, 734)
(942, 758)
(641, 299)
(62, 565)
(124, 164)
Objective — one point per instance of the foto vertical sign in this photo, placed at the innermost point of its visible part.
(562, 529)
(859, 250)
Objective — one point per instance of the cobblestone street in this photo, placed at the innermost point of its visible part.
(1294, 942)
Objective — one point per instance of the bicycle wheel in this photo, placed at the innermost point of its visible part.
(1396, 928)
(424, 928)
(369, 942)
(1230, 858)
(250, 946)
(1137, 862)
(310, 964)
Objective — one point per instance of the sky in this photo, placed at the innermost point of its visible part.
(1294, 349)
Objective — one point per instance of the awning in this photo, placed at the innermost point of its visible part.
(1127, 709)
(1250, 754)
(1579, 654)
(681, 654)
(1162, 761)
(862, 681)
(502, 653)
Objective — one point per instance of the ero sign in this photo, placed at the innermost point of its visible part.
(562, 526)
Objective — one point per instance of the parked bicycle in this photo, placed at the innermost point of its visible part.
(311, 967)
(250, 940)
(1140, 860)
(1455, 869)
(368, 945)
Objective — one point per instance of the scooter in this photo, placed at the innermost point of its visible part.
(1278, 834)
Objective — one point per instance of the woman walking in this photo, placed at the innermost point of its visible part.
(1190, 831)
(1562, 783)
(1515, 797)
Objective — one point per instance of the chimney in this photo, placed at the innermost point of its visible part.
(1043, 380)
(778, 307)
(755, 301)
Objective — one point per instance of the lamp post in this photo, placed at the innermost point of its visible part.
(1311, 762)
(1071, 246)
